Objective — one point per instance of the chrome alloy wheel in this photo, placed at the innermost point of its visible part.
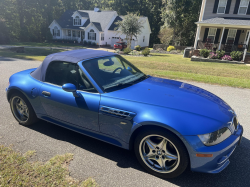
(20, 109)
(159, 154)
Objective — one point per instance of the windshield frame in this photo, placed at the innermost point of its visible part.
(97, 84)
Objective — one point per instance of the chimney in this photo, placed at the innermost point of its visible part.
(96, 9)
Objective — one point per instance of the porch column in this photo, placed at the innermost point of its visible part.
(222, 34)
(197, 36)
(245, 51)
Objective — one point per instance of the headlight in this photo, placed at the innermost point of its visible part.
(215, 137)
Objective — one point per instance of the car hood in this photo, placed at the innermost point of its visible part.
(176, 95)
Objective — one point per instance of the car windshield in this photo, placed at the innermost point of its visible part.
(113, 72)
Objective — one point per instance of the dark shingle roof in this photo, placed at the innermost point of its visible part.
(226, 21)
(113, 25)
(100, 19)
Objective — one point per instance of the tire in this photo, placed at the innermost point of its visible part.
(164, 160)
(24, 112)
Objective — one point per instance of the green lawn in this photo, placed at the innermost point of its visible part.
(170, 66)
(51, 44)
(17, 170)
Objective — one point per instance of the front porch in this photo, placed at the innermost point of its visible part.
(222, 36)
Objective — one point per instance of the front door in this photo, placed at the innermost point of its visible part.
(63, 106)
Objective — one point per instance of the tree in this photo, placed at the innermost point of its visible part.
(130, 26)
(166, 35)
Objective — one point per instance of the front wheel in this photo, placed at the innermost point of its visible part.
(161, 153)
(22, 109)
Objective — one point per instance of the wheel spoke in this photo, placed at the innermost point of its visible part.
(150, 155)
(162, 145)
(161, 163)
(150, 144)
(170, 156)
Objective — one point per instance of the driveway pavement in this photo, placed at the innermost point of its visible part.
(110, 165)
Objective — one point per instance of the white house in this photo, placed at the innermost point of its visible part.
(95, 26)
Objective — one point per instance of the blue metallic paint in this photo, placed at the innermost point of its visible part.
(181, 108)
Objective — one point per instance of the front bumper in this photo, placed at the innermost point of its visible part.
(221, 153)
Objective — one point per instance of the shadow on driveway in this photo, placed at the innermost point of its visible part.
(236, 174)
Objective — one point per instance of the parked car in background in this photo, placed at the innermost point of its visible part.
(170, 125)
(120, 45)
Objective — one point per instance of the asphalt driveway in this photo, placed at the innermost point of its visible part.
(110, 165)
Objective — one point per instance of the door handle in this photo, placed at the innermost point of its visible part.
(47, 94)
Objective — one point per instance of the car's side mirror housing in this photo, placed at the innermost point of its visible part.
(70, 88)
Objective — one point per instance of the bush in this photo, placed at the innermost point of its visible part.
(236, 55)
(93, 43)
(85, 42)
(138, 48)
(127, 50)
(220, 54)
(170, 48)
(227, 57)
(146, 51)
(205, 52)
(89, 42)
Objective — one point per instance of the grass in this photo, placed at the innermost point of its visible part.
(51, 44)
(169, 66)
(176, 67)
(17, 170)
(30, 54)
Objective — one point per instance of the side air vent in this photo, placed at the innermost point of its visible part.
(117, 112)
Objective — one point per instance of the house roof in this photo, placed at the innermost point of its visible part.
(226, 21)
(100, 19)
(113, 25)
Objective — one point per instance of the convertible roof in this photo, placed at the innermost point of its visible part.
(73, 56)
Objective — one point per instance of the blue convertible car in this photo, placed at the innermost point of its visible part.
(170, 125)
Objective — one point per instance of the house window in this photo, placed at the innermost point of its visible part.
(143, 38)
(74, 33)
(102, 36)
(56, 31)
(92, 35)
(222, 7)
(243, 7)
(69, 32)
(211, 35)
(77, 21)
(231, 35)
(79, 34)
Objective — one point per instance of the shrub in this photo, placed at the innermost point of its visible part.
(127, 50)
(170, 48)
(85, 42)
(138, 48)
(89, 42)
(93, 43)
(146, 51)
(236, 55)
(227, 57)
(213, 55)
(220, 54)
(205, 52)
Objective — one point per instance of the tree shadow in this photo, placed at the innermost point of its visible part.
(6, 59)
(236, 174)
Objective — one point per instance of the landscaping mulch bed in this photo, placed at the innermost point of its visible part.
(202, 59)
(177, 52)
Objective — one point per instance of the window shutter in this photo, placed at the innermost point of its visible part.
(80, 22)
(237, 37)
(95, 36)
(217, 36)
(205, 34)
(88, 35)
(228, 6)
(53, 32)
(224, 39)
(248, 9)
(216, 3)
(237, 5)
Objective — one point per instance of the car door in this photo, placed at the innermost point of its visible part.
(63, 106)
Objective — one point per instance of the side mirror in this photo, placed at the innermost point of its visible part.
(70, 88)
(129, 68)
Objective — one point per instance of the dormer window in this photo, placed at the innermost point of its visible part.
(77, 21)
(222, 6)
(243, 7)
